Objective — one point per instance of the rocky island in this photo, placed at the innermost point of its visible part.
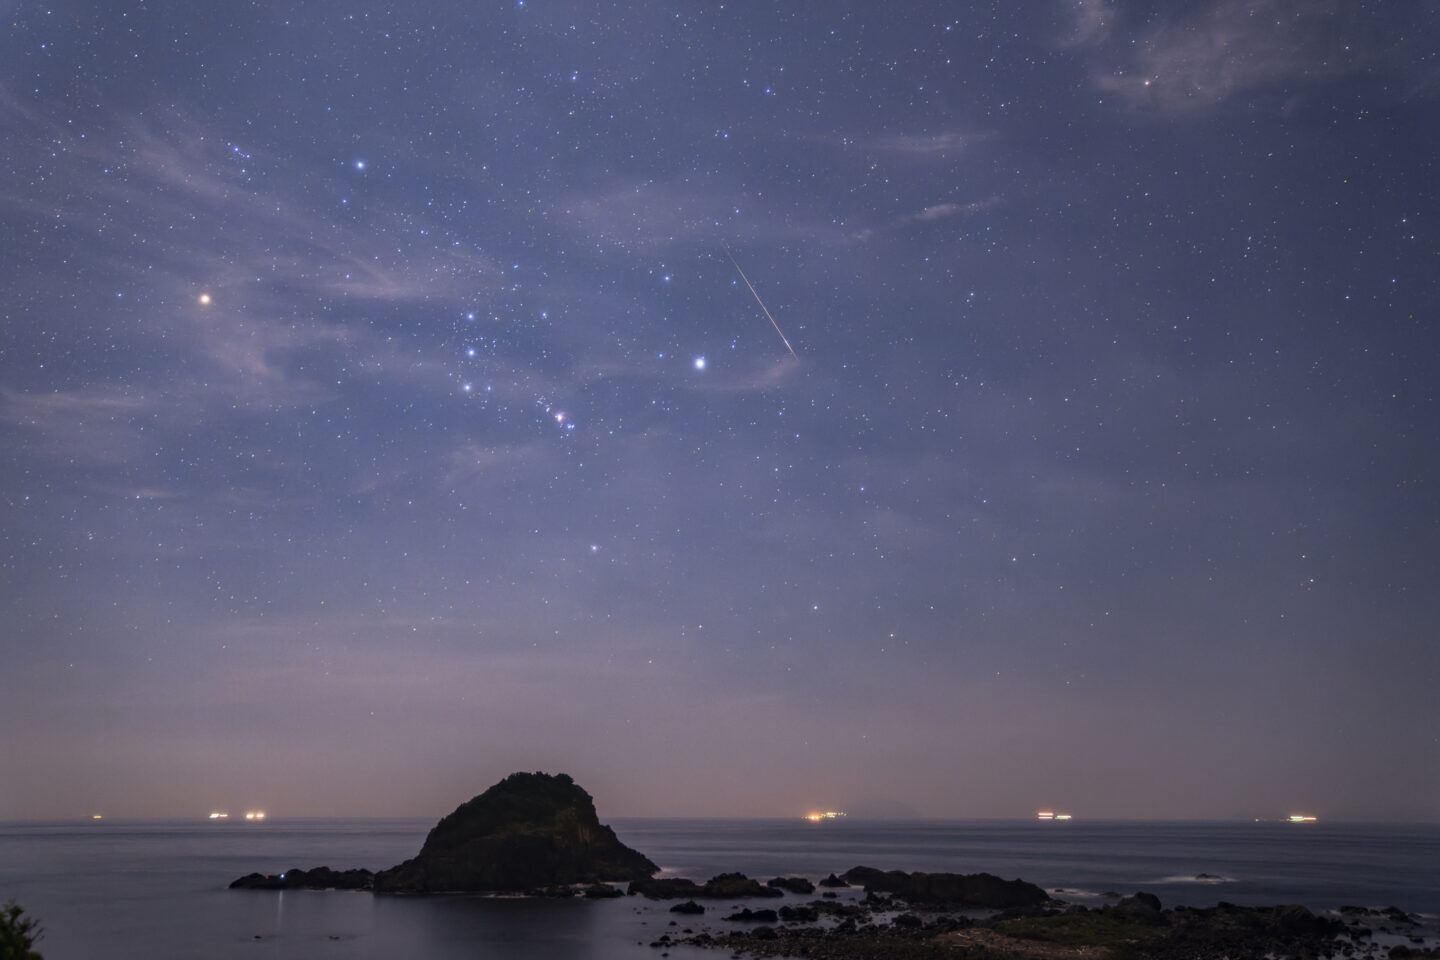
(530, 832)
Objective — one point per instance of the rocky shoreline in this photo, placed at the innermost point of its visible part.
(538, 835)
(883, 925)
(869, 914)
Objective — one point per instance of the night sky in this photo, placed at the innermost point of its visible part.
(383, 412)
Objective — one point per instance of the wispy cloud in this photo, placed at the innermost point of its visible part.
(1089, 21)
(944, 211)
(647, 216)
(1215, 52)
(926, 145)
(91, 425)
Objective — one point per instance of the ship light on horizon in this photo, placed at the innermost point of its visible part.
(255, 815)
(826, 815)
(1300, 818)
(1051, 815)
(218, 815)
(96, 816)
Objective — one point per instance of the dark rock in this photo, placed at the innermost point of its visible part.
(755, 916)
(726, 886)
(558, 891)
(792, 884)
(669, 888)
(1131, 910)
(689, 906)
(1142, 906)
(800, 914)
(603, 891)
(1227, 929)
(320, 878)
(839, 908)
(908, 920)
(833, 881)
(530, 830)
(964, 890)
(764, 933)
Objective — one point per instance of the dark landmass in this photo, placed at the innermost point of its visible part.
(961, 890)
(320, 878)
(726, 886)
(1135, 928)
(531, 832)
(792, 884)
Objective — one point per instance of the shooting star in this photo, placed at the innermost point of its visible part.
(761, 302)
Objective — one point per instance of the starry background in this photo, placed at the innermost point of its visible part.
(382, 411)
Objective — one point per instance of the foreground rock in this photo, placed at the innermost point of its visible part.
(530, 830)
(792, 884)
(980, 890)
(726, 886)
(1134, 929)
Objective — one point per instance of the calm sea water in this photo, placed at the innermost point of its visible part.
(131, 890)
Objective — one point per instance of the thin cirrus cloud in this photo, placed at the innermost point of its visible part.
(931, 144)
(231, 277)
(651, 216)
(944, 211)
(88, 425)
(1213, 53)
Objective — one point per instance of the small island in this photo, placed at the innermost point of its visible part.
(529, 833)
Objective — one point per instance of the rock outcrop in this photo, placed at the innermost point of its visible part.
(725, 886)
(529, 831)
(792, 884)
(967, 890)
(319, 878)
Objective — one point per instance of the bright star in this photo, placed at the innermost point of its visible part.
(359, 164)
(204, 299)
(699, 363)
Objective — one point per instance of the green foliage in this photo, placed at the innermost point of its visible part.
(18, 934)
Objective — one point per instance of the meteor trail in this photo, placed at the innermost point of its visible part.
(761, 302)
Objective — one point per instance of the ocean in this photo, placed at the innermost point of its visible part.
(125, 890)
